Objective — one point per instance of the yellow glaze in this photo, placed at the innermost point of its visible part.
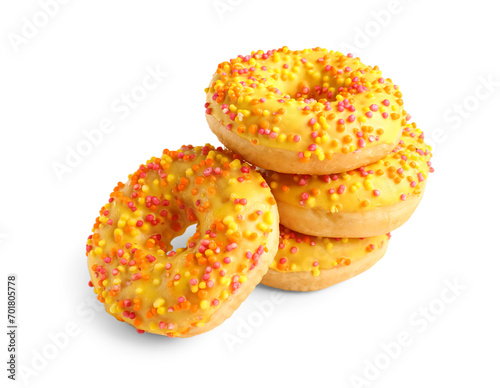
(298, 252)
(132, 270)
(315, 102)
(390, 180)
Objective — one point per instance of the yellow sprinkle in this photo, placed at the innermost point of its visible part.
(261, 226)
(227, 220)
(204, 304)
(159, 302)
(159, 266)
(114, 308)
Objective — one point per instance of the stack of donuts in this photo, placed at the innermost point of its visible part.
(337, 148)
(322, 163)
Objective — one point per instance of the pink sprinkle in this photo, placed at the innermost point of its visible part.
(374, 107)
(376, 193)
(232, 246)
(403, 197)
(208, 171)
(386, 102)
(351, 118)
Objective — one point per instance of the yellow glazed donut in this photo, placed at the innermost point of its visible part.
(307, 263)
(313, 111)
(194, 289)
(368, 201)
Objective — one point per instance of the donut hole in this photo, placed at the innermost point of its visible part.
(182, 240)
(309, 91)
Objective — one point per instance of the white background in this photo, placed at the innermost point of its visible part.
(65, 79)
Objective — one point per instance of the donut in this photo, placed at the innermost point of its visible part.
(182, 293)
(368, 201)
(307, 263)
(313, 111)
